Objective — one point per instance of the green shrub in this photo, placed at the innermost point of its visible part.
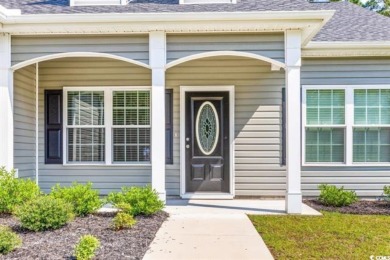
(386, 191)
(123, 220)
(84, 199)
(86, 247)
(332, 196)
(15, 191)
(143, 200)
(44, 213)
(8, 240)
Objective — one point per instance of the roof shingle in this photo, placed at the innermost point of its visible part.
(350, 22)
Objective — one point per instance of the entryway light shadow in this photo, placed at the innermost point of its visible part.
(229, 207)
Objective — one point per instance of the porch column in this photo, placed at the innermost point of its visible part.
(6, 104)
(157, 59)
(293, 122)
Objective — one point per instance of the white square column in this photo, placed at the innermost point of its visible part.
(6, 104)
(157, 59)
(293, 122)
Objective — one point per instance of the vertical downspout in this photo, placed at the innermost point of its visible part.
(36, 123)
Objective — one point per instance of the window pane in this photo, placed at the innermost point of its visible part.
(324, 145)
(86, 145)
(325, 107)
(85, 108)
(371, 145)
(372, 106)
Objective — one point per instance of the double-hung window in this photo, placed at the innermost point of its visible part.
(107, 125)
(346, 125)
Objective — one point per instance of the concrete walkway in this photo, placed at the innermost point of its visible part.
(213, 229)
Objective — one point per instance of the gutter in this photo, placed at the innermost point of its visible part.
(169, 17)
(309, 22)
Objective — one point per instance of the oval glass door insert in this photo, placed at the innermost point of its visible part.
(207, 128)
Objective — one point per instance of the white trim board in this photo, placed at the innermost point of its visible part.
(207, 195)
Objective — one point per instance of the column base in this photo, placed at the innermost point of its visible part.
(294, 203)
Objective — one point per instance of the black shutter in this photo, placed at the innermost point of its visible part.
(53, 126)
(283, 161)
(169, 126)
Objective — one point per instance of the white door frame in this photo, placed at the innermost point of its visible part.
(205, 195)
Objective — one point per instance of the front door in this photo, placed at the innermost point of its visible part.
(207, 141)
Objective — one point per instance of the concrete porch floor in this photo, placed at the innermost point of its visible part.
(214, 229)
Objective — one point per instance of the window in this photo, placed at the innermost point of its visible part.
(107, 125)
(347, 125)
(371, 137)
(325, 121)
(85, 131)
(131, 126)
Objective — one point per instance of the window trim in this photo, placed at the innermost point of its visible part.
(108, 123)
(348, 126)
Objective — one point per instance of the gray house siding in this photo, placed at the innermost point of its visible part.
(132, 47)
(257, 120)
(89, 72)
(24, 122)
(270, 45)
(367, 181)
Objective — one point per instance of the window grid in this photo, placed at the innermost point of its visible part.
(85, 126)
(371, 150)
(320, 147)
(131, 131)
(380, 123)
(324, 103)
(102, 114)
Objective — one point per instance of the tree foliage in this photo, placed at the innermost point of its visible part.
(379, 6)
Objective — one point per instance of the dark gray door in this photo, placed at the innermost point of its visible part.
(207, 141)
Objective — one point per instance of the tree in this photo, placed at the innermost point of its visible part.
(379, 6)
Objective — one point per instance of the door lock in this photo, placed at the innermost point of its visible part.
(188, 146)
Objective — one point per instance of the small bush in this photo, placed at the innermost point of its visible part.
(84, 199)
(86, 247)
(44, 213)
(143, 201)
(386, 191)
(337, 197)
(123, 220)
(15, 191)
(9, 241)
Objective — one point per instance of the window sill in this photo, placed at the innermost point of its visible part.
(346, 165)
(105, 165)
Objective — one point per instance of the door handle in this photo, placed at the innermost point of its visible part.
(188, 146)
(187, 139)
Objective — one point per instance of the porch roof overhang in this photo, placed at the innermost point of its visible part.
(346, 49)
(309, 22)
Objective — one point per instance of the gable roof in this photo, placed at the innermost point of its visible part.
(349, 23)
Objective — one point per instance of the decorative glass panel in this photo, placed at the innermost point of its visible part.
(207, 128)
(325, 145)
(325, 107)
(131, 111)
(372, 106)
(371, 145)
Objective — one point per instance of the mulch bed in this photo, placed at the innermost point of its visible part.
(363, 207)
(59, 244)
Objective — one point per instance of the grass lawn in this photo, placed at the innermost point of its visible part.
(332, 236)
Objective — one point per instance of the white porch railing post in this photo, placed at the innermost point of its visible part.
(293, 108)
(157, 59)
(6, 104)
